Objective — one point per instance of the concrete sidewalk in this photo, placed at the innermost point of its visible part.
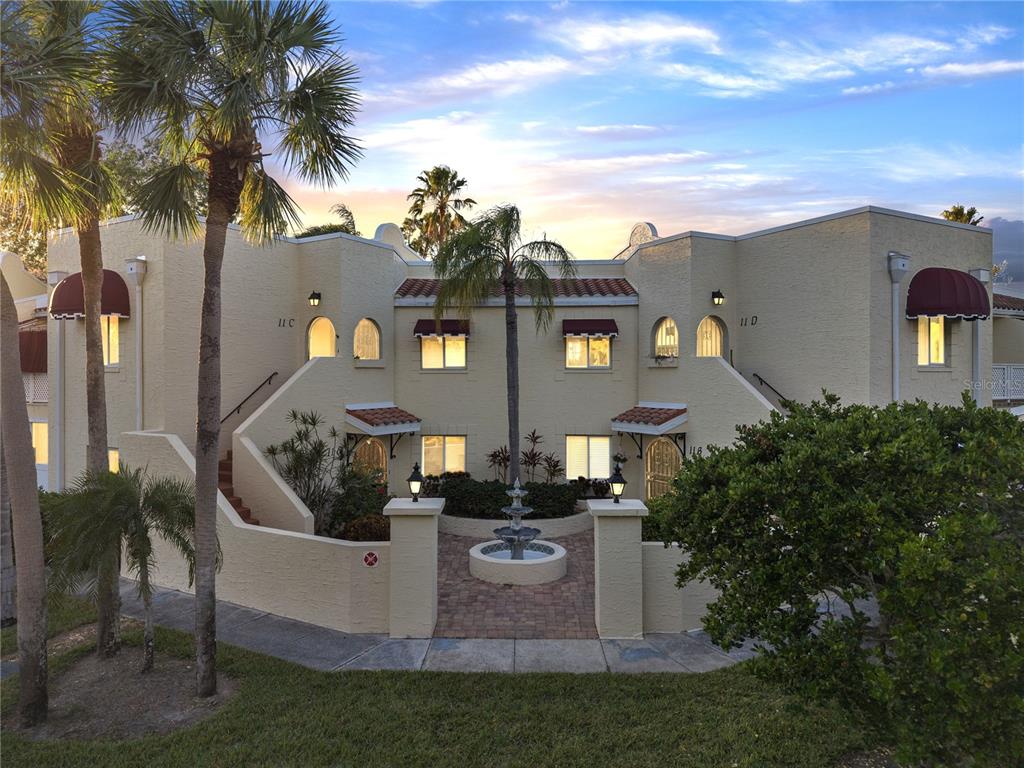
(326, 649)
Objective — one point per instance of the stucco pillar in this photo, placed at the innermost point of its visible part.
(136, 271)
(55, 471)
(413, 584)
(618, 567)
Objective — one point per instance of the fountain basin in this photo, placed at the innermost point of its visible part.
(543, 561)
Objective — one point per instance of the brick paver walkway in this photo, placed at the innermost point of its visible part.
(469, 607)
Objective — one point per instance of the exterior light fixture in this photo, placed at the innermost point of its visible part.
(314, 299)
(717, 298)
(617, 482)
(415, 481)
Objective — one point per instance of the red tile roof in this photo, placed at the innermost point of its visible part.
(415, 287)
(653, 416)
(1002, 301)
(379, 417)
(428, 327)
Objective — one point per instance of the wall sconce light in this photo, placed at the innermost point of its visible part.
(415, 481)
(717, 298)
(617, 482)
(314, 299)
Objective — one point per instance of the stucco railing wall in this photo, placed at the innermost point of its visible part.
(718, 398)
(309, 578)
(666, 607)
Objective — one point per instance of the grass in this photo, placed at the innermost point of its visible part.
(64, 614)
(285, 715)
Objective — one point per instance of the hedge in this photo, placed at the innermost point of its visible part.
(483, 499)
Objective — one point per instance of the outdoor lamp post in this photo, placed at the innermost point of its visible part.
(717, 298)
(314, 299)
(415, 481)
(617, 482)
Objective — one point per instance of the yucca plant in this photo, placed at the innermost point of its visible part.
(122, 511)
(224, 85)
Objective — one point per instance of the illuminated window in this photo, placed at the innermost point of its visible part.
(931, 341)
(442, 352)
(366, 340)
(113, 459)
(666, 338)
(444, 453)
(322, 339)
(588, 456)
(710, 337)
(588, 352)
(110, 336)
(40, 438)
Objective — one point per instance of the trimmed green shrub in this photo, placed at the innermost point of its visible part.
(483, 499)
(369, 528)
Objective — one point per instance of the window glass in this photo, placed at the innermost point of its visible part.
(321, 338)
(931, 341)
(576, 459)
(922, 341)
(113, 459)
(432, 351)
(600, 457)
(575, 351)
(666, 339)
(110, 337)
(600, 352)
(588, 456)
(455, 352)
(366, 340)
(40, 436)
(709, 338)
(455, 453)
(433, 454)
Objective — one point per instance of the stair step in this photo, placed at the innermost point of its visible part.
(227, 490)
(235, 501)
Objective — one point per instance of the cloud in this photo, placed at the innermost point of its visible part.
(862, 90)
(620, 163)
(975, 69)
(720, 84)
(988, 34)
(617, 131)
(909, 163)
(650, 31)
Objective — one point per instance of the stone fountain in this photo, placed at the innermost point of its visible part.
(515, 535)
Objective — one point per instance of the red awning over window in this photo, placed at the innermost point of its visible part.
(942, 292)
(430, 327)
(32, 345)
(68, 303)
(589, 328)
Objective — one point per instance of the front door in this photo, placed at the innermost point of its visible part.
(372, 455)
(661, 464)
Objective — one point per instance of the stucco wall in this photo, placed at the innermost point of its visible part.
(666, 607)
(1008, 340)
(484, 529)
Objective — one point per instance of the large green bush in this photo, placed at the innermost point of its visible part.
(483, 499)
(876, 552)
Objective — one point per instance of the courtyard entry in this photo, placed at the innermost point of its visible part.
(661, 463)
(711, 337)
(371, 454)
(321, 339)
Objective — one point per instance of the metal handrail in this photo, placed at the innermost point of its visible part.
(764, 383)
(248, 397)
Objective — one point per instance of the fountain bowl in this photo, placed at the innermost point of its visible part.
(543, 561)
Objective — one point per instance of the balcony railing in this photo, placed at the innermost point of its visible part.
(1008, 381)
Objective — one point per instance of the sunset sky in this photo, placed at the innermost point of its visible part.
(710, 116)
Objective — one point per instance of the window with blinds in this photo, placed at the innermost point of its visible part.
(588, 456)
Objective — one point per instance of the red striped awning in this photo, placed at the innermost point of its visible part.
(68, 301)
(943, 292)
(431, 327)
(589, 328)
(32, 345)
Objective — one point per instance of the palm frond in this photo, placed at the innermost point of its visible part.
(266, 208)
(47, 193)
(536, 282)
(163, 199)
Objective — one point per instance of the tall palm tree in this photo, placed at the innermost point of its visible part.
(120, 510)
(486, 259)
(54, 172)
(30, 567)
(212, 79)
(963, 215)
(436, 209)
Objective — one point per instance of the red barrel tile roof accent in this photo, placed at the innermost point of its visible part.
(379, 417)
(416, 287)
(1002, 301)
(652, 416)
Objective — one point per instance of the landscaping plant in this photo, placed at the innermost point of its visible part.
(498, 460)
(877, 553)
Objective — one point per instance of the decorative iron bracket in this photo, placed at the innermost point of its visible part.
(353, 438)
(638, 441)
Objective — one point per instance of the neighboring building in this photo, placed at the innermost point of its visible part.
(1007, 347)
(656, 352)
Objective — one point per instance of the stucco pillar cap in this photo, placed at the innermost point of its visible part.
(409, 508)
(625, 508)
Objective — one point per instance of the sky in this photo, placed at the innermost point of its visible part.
(718, 117)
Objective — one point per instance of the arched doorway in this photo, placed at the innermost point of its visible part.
(711, 338)
(321, 341)
(371, 455)
(661, 464)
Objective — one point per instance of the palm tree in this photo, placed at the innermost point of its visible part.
(488, 258)
(346, 225)
(436, 208)
(53, 172)
(210, 78)
(119, 510)
(963, 215)
(30, 568)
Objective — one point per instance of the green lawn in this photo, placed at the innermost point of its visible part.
(287, 715)
(65, 614)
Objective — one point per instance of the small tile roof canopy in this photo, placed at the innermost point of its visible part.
(68, 302)
(590, 328)
(430, 327)
(381, 418)
(415, 287)
(32, 346)
(651, 418)
(942, 292)
(1007, 303)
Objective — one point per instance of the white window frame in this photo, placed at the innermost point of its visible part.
(444, 453)
(591, 475)
(444, 352)
(588, 366)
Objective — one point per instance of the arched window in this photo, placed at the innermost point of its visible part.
(666, 338)
(711, 337)
(320, 339)
(366, 340)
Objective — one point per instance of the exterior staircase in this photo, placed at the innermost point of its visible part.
(224, 480)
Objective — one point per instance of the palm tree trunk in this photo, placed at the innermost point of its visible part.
(147, 633)
(512, 376)
(7, 579)
(207, 449)
(27, 524)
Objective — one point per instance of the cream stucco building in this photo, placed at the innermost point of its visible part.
(658, 350)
